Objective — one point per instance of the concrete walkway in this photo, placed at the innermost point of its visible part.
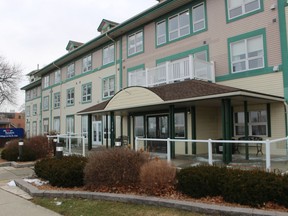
(14, 201)
(18, 205)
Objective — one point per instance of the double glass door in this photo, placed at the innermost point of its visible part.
(97, 133)
(157, 127)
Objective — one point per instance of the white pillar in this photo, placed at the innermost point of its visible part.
(210, 152)
(268, 156)
(168, 150)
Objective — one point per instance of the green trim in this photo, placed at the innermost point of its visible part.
(69, 105)
(247, 36)
(82, 63)
(105, 78)
(175, 12)
(33, 99)
(58, 107)
(120, 64)
(140, 29)
(284, 46)
(246, 128)
(184, 54)
(193, 128)
(268, 108)
(261, 9)
(86, 84)
(89, 136)
(171, 122)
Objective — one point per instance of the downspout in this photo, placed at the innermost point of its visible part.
(286, 116)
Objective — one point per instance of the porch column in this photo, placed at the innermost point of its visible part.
(227, 130)
(193, 125)
(246, 129)
(112, 129)
(106, 130)
(172, 128)
(89, 135)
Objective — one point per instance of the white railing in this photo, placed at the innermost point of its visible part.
(179, 70)
(267, 143)
(69, 147)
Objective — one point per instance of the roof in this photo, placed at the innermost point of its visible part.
(75, 44)
(32, 85)
(108, 23)
(186, 90)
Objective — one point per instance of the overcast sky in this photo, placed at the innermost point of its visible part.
(37, 31)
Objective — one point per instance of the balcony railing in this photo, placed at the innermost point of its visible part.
(169, 72)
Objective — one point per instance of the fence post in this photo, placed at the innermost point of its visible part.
(210, 152)
(168, 150)
(136, 143)
(268, 156)
(69, 143)
(83, 143)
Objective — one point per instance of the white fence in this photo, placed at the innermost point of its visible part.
(71, 147)
(267, 143)
(186, 68)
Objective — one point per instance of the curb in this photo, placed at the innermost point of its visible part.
(146, 200)
(17, 165)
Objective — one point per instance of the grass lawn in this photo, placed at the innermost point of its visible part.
(84, 207)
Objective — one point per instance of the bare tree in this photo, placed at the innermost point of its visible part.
(10, 76)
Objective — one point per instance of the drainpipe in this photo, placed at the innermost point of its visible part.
(286, 120)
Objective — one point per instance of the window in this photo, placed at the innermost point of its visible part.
(46, 103)
(87, 64)
(70, 124)
(179, 125)
(86, 92)
(106, 125)
(34, 128)
(56, 124)
(70, 70)
(27, 128)
(46, 81)
(108, 54)
(237, 8)
(161, 32)
(45, 126)
(137, 77)
(27, 111)
(139, 126)
(28, 95)
(57, 100)
(34, 109)
(84, 125)
(70, 97)
(34, 93)
(257, 123)
(135, 43)
(108, 87)
(247, 54)
(57, 77)
(179, 25)
(198, 17)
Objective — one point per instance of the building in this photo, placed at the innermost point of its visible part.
(180, 69)
(12, 120)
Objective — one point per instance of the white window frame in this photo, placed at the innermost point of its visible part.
(201, 20)
(27, 111)
(163, 35)
(135, 45)
(137, 77)
(34, 109)
(87, 63)
(108, 54)
(251, 123)
(56, 124)
(242, 6)
(46, 103)
(57, 100)
(179, 124)
(46, 81)
(70, 100)
(246, 59)
(70, 125)
(45, 126)
(70, 70)
(57, 76)
(34, 128)
(86, 92)
(108, 87)
(84, 126)
(179, 28)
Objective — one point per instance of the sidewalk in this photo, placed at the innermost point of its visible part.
(14, 201)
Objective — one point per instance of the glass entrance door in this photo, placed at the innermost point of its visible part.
(96, 132)
(157, 127)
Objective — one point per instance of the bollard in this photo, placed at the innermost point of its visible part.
(54, 141)
(59, 150)
(20, 145)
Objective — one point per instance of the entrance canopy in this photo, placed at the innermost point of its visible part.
(186, 93)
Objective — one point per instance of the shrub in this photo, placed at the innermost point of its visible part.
(40, 146)
(10, 151)
(64, 172)
(113, 167)
(157, 177)
(201, 181)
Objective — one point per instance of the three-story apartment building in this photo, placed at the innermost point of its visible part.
(180, 69)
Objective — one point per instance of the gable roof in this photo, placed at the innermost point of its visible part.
(106, 23)
(73, 44)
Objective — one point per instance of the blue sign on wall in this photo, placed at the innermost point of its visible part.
(11, 132)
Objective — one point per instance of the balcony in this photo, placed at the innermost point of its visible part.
(174, 71)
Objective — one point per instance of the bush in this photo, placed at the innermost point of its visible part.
(157, 176)
(33, 149)
(64, 172)
(254, 188)
(201, 181)
(113, 167)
